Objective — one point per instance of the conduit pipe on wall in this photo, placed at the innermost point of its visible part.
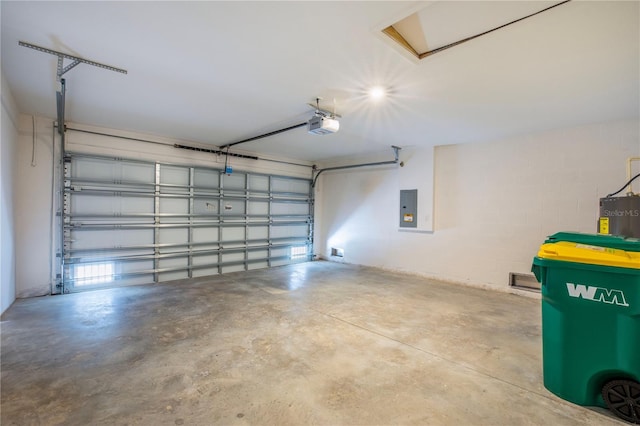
(60, 107)
(52, 216)
(629, 161)
(396, 149)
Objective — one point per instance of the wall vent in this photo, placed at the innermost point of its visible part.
(524, 281)
(337, 252)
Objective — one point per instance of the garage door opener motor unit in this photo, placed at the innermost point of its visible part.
(321, 125)
(323, 122)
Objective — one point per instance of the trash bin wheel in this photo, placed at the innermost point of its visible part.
(623, 398)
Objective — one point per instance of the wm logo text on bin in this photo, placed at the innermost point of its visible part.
(597, 294)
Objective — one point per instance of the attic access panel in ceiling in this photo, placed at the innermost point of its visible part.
(442, 25)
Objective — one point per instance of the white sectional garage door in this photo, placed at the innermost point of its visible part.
(131, 222)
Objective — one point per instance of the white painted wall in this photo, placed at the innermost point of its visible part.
(33, 207)
(37, 244)
(494, 203)
(8, 152)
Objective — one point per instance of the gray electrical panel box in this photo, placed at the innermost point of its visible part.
(408, 208)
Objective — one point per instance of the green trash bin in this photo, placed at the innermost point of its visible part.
(591, 321)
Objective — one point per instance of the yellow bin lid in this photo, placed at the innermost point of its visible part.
(583, 253)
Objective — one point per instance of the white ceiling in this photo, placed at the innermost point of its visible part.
(217, 72)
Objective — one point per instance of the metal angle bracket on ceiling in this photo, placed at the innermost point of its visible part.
(61, 70)
(324, 112)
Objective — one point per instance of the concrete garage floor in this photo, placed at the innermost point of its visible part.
(314, 343)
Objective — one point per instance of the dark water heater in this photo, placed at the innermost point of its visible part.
(620, 216)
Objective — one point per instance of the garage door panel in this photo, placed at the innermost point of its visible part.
(233, 234)
(176, 269)
(236, 181)
(207, 207)
(280, 262)
(234, 246)
(290, 208)
(174, 206)
(173, 175)
(259, 183)
(126, 205)
(109, 170)
(84, 204)
(201, 248)
(89, 239)
(232, 268)
(211, 259)
(98, 255)
(94, 204)
(233, 207)
(258, 233)
(258, 254)
(137, 172)
(173, 263)
(258, 265)
(170, 276)
(258, 208)
(137, 280)
(125, 268)
(299, 231)
(290, 185)
(280, 252)
(95, 168)
(206, 178)
(204, 235)
(204, 272)
(232, 257)
(173, 236)
(96, 274)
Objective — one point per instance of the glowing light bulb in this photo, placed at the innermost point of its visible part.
(376, 93)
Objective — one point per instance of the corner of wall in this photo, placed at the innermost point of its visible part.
(8, 157)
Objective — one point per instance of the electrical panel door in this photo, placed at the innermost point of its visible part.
(408, 208)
